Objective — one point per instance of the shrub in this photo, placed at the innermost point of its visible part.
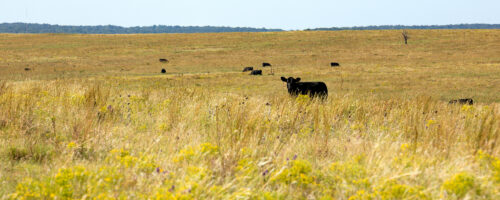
(490, 162)
(298, 172)
(393, 190)
(459, 184)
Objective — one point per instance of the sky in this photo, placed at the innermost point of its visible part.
(284, 14)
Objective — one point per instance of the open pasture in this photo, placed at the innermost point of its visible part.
(93, 117)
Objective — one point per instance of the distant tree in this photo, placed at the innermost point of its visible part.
(405, 36)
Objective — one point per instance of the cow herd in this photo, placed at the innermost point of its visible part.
(256, 71)
(265, 64)
(313, 89)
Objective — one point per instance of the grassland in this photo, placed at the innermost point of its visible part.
(94, 118)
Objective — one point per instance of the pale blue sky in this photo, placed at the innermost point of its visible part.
(290, 14)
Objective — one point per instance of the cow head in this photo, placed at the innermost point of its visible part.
(290, 81)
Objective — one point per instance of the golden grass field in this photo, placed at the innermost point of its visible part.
(94, 118)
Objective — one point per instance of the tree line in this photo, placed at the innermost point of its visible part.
(111, 29)
(399, 27)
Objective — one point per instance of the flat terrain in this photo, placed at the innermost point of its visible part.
(440, 63)
(93, 117)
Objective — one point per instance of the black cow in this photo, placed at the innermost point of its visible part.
(334, 64)
(310, 88)
(266, 64)
(27, 69)
(256, 72)
(163, 60)
(462, 101)
(163, 71)
(247, 69)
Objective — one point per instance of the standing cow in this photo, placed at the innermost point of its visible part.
(313, 89)
(266, 64)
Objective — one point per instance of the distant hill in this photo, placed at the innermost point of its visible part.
(110, 29)
(389, 27)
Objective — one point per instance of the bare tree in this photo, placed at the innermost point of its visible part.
(405, 36)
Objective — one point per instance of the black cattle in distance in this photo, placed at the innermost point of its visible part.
(334, 64)
(246, 69)
(462, 101)
(256, 72)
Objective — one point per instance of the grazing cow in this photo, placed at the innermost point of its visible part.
(247, 69)
(163, 71)
(311, 88)
(27, 69)
(164, 60)
(462, 101)
(334, 64)
(266, 64)
(256, 72)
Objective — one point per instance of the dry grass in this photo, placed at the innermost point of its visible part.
(94, 118)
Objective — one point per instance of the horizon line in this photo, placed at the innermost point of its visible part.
(226, 26)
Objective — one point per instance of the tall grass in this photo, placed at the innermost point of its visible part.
(243, 146)
(226, 135)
